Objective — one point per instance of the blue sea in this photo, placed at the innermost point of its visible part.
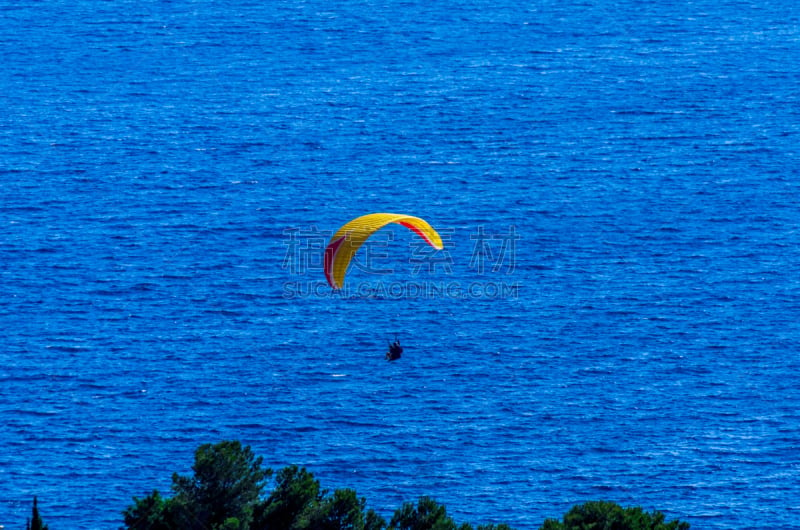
(615, 314)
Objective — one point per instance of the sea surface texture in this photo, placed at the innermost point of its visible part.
(615, 315)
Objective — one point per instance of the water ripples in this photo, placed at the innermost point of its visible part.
(154, 155)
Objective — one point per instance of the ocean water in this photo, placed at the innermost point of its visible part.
(615, 315)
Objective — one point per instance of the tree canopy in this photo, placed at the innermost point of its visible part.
(603, 515)
(221, 494)
(36, 522)
(227, 492)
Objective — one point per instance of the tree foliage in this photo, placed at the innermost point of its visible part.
(602, 515)
(221, 494)
(426, 515)
(295, 489)
(147, 513)
(342, 510)
(36, 522)
(226, 492)
(227, 482)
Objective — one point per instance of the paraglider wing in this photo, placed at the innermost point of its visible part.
(349, 238)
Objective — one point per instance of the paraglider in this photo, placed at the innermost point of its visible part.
(395, 350)
(349, 238)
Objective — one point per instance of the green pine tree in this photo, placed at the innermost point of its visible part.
(426, 515)
(605, 514)
(36, 522)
